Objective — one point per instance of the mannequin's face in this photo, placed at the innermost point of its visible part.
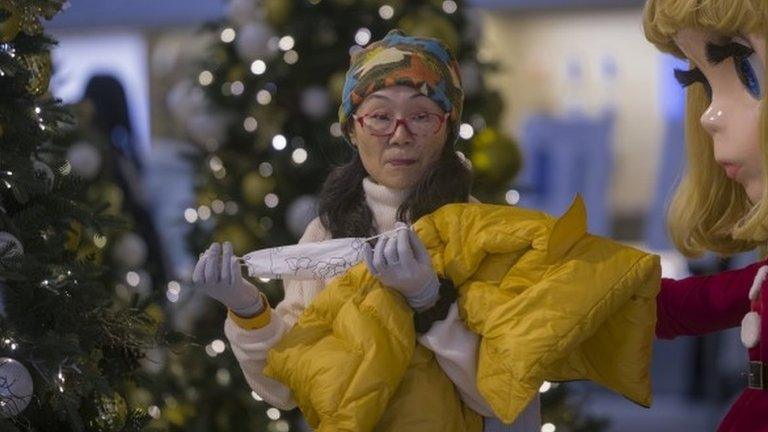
(733, 70)
(399, 160)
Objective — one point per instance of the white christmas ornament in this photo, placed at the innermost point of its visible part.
(130, 250)
(15, 387)
(85, 160)
(10, 246)
(44, 172)
(300, 213)
(315, 102)
(252, 41)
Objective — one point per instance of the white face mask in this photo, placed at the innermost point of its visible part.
(309, 261)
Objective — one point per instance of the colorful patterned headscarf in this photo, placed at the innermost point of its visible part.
(425, 64)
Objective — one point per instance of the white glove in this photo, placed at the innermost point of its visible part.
(219, 275)
(402, 262)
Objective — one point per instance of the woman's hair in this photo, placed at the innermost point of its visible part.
(343, 209)
(709, 211)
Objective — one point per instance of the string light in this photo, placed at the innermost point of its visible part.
(336, 129)
(250, 124)
(286, 43)
(386, 12)
(363, 36)
(218, 346)
(512, 197)
(205, 78)
(263, 97)
(256, 396)
(228, 35)
(466, 131)
(154, 412)
(299, 156)
(133, 278)
(265, 169)
(204, 212)
(271, 200)
(217, 206)
(99, 240)
(279, 142)
(220, 174)
(237, 88)
(223, 377)
(258, 67)
(209, 350)
(291, 57)
(273, 413)
(173, 292)
(226, 89)
(450, 6)
(231, 208)
(545, 387)
(282, 426)
(266, 222)
(190, 215)
(215, 163)
(548, 427)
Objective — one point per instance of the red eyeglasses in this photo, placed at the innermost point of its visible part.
(420, 125)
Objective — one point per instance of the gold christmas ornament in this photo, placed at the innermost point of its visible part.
(39, 67)
(427, 23)
(11, 25)
(495, 158)
(255, 188)
(278, 12)
(336, 85)
(242, 239)
(74, 236)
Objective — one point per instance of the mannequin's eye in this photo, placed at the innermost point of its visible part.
(749, 68)
(751, 72)
(693, 76)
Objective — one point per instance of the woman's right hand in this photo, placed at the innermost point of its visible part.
(218, 274)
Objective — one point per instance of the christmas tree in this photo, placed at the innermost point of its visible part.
(68, 350)
(263, 106)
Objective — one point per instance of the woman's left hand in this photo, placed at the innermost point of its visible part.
(403, 263)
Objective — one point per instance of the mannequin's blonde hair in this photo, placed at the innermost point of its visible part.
(709, 211)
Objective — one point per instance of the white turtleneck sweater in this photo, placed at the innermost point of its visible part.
(454, 346)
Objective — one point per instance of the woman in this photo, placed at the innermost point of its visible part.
(721, 204)
(401, 109)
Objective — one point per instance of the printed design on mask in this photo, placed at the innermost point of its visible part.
(308, 261)
(324, 267)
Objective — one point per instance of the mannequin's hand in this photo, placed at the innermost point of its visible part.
(218, 274)
(402, 263)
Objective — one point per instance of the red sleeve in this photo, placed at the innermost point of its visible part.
(704, 304)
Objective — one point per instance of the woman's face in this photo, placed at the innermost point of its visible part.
(398, 160)
(732, 70)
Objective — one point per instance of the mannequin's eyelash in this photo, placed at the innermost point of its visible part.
(689, 77)
(718, 53)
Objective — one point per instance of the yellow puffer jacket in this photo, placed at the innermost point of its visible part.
(550, 302)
